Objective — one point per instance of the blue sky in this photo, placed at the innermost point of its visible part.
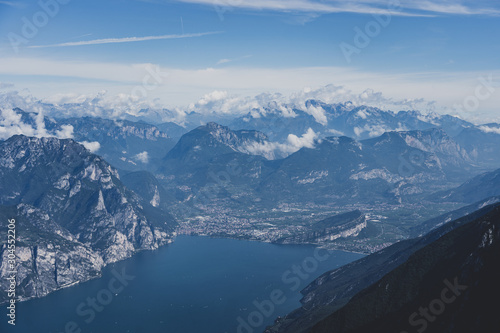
(430, 49)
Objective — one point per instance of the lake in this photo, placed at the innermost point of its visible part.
(196, 284)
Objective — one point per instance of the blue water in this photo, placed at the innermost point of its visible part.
(194, 285)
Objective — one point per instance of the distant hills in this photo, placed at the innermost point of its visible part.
(126, 145)
(478, 188)
(360, 122)
(338, 169)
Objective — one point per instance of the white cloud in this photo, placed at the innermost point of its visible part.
(12, 99)
(222, 103)
(307, 140)
(125, 40)
(335, 132)
(373, 130)
(109, 92)
(93, 147)
(11, 124)
(274, 150)
(361, 114)
(397, 8)
(358, 131)
(142, 157)
(223, 61)
(318, 113)
(16, 4)
(226, 60)
(212, 97)
(4, 85)
(66, 132)
(422, 91)
(40, 123)
(488, 129)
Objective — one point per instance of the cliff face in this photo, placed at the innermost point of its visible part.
(330, 229)
(48, 257)
(75, 215)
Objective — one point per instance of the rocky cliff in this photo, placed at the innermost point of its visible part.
(75, 213)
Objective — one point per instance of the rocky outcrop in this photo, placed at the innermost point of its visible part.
(75, 214)
(47, 256)
(330, 229)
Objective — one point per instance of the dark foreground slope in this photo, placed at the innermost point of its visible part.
(334, 289)
(450, 285)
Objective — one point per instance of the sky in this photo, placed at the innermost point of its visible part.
(178, 53)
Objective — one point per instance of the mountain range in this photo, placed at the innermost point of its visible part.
(123, 139)
(359, 179)
(335, 169)
(484, 185)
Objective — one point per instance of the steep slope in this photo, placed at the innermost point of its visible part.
(82, 193)
(478, 188)
(385, 169)
(210, 140)
(483, 143)
(431, 147)
(393, 168)
(451, 285)
(149, 188)
(431, 224)
(330, 229)
(48, 256)
(213, 155)
(172, 129)
(334, 289)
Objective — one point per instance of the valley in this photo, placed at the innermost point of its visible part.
(249, 166)
(362, 196)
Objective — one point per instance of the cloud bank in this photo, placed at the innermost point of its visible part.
(11, 123)
(490, 129)
(142, 157)
(180, 87)
(274, 150)
(93, 147)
